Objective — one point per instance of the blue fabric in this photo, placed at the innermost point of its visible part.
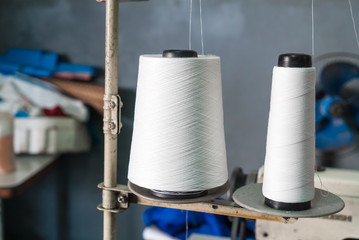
(75, 68)
(173, 222)
(8, 68)
(22, 56)
(36, 71)
(21, 114)
(38, 63)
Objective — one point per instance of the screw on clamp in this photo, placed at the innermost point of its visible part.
(112, 114)
(123, 200)
(112, 125)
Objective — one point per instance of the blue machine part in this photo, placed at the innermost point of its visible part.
(335, 75)
(325, 104)
(334, 135)
(333, 131)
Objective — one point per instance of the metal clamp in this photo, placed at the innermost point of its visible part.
(122, 198)
(222, 207)
(112, 114)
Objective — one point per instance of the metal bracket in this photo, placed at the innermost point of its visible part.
(112, 114)
(122, 198)
(222, 207)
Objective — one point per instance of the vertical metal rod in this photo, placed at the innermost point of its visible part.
(111, 88)
(1, 221)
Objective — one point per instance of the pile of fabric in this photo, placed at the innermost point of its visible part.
(173, 224)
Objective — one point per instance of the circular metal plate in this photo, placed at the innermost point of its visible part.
(323, 204)
(211, 194)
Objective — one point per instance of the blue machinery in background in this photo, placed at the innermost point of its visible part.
(337, 102)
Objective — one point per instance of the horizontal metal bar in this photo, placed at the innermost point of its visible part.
(221, 207)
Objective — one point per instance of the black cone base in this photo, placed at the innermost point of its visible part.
(178, 197)
(287, 206)
(323, 204)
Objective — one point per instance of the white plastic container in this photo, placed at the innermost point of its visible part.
(50, 135)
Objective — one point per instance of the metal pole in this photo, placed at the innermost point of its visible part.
(109, 200)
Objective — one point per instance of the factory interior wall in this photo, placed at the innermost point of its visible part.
(247, 35)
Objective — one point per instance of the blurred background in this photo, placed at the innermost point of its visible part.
(247, 35)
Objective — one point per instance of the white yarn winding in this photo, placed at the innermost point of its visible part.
(178, 137)
(290, 154)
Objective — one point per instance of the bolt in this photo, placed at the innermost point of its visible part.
(112, 104)
(112, 125)
(336, 109)
(122, 199)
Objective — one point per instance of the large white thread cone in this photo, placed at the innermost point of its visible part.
(178, 137)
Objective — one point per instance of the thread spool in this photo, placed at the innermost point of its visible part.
(288, 184)
(178, 150)
(289, 165)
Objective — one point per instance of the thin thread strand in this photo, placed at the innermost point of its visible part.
(323, 189)
(201, 22)
(313, 28)
(190, 26)
(355, 29)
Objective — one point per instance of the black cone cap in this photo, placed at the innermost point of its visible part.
(179, 54)
(295, 60)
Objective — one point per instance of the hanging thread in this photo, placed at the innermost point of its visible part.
(201, 22)
(323, 189)
(290, 153)
(313, 28)
(353, 20)
(190, 26)
(178, 138)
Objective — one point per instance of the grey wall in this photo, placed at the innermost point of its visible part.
(248, 35)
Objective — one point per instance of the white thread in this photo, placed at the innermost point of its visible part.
(290, 154)
(313, 28)
(190, 26)
(200, 13)
(178, 137)
(323, 189)
(355, 29)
